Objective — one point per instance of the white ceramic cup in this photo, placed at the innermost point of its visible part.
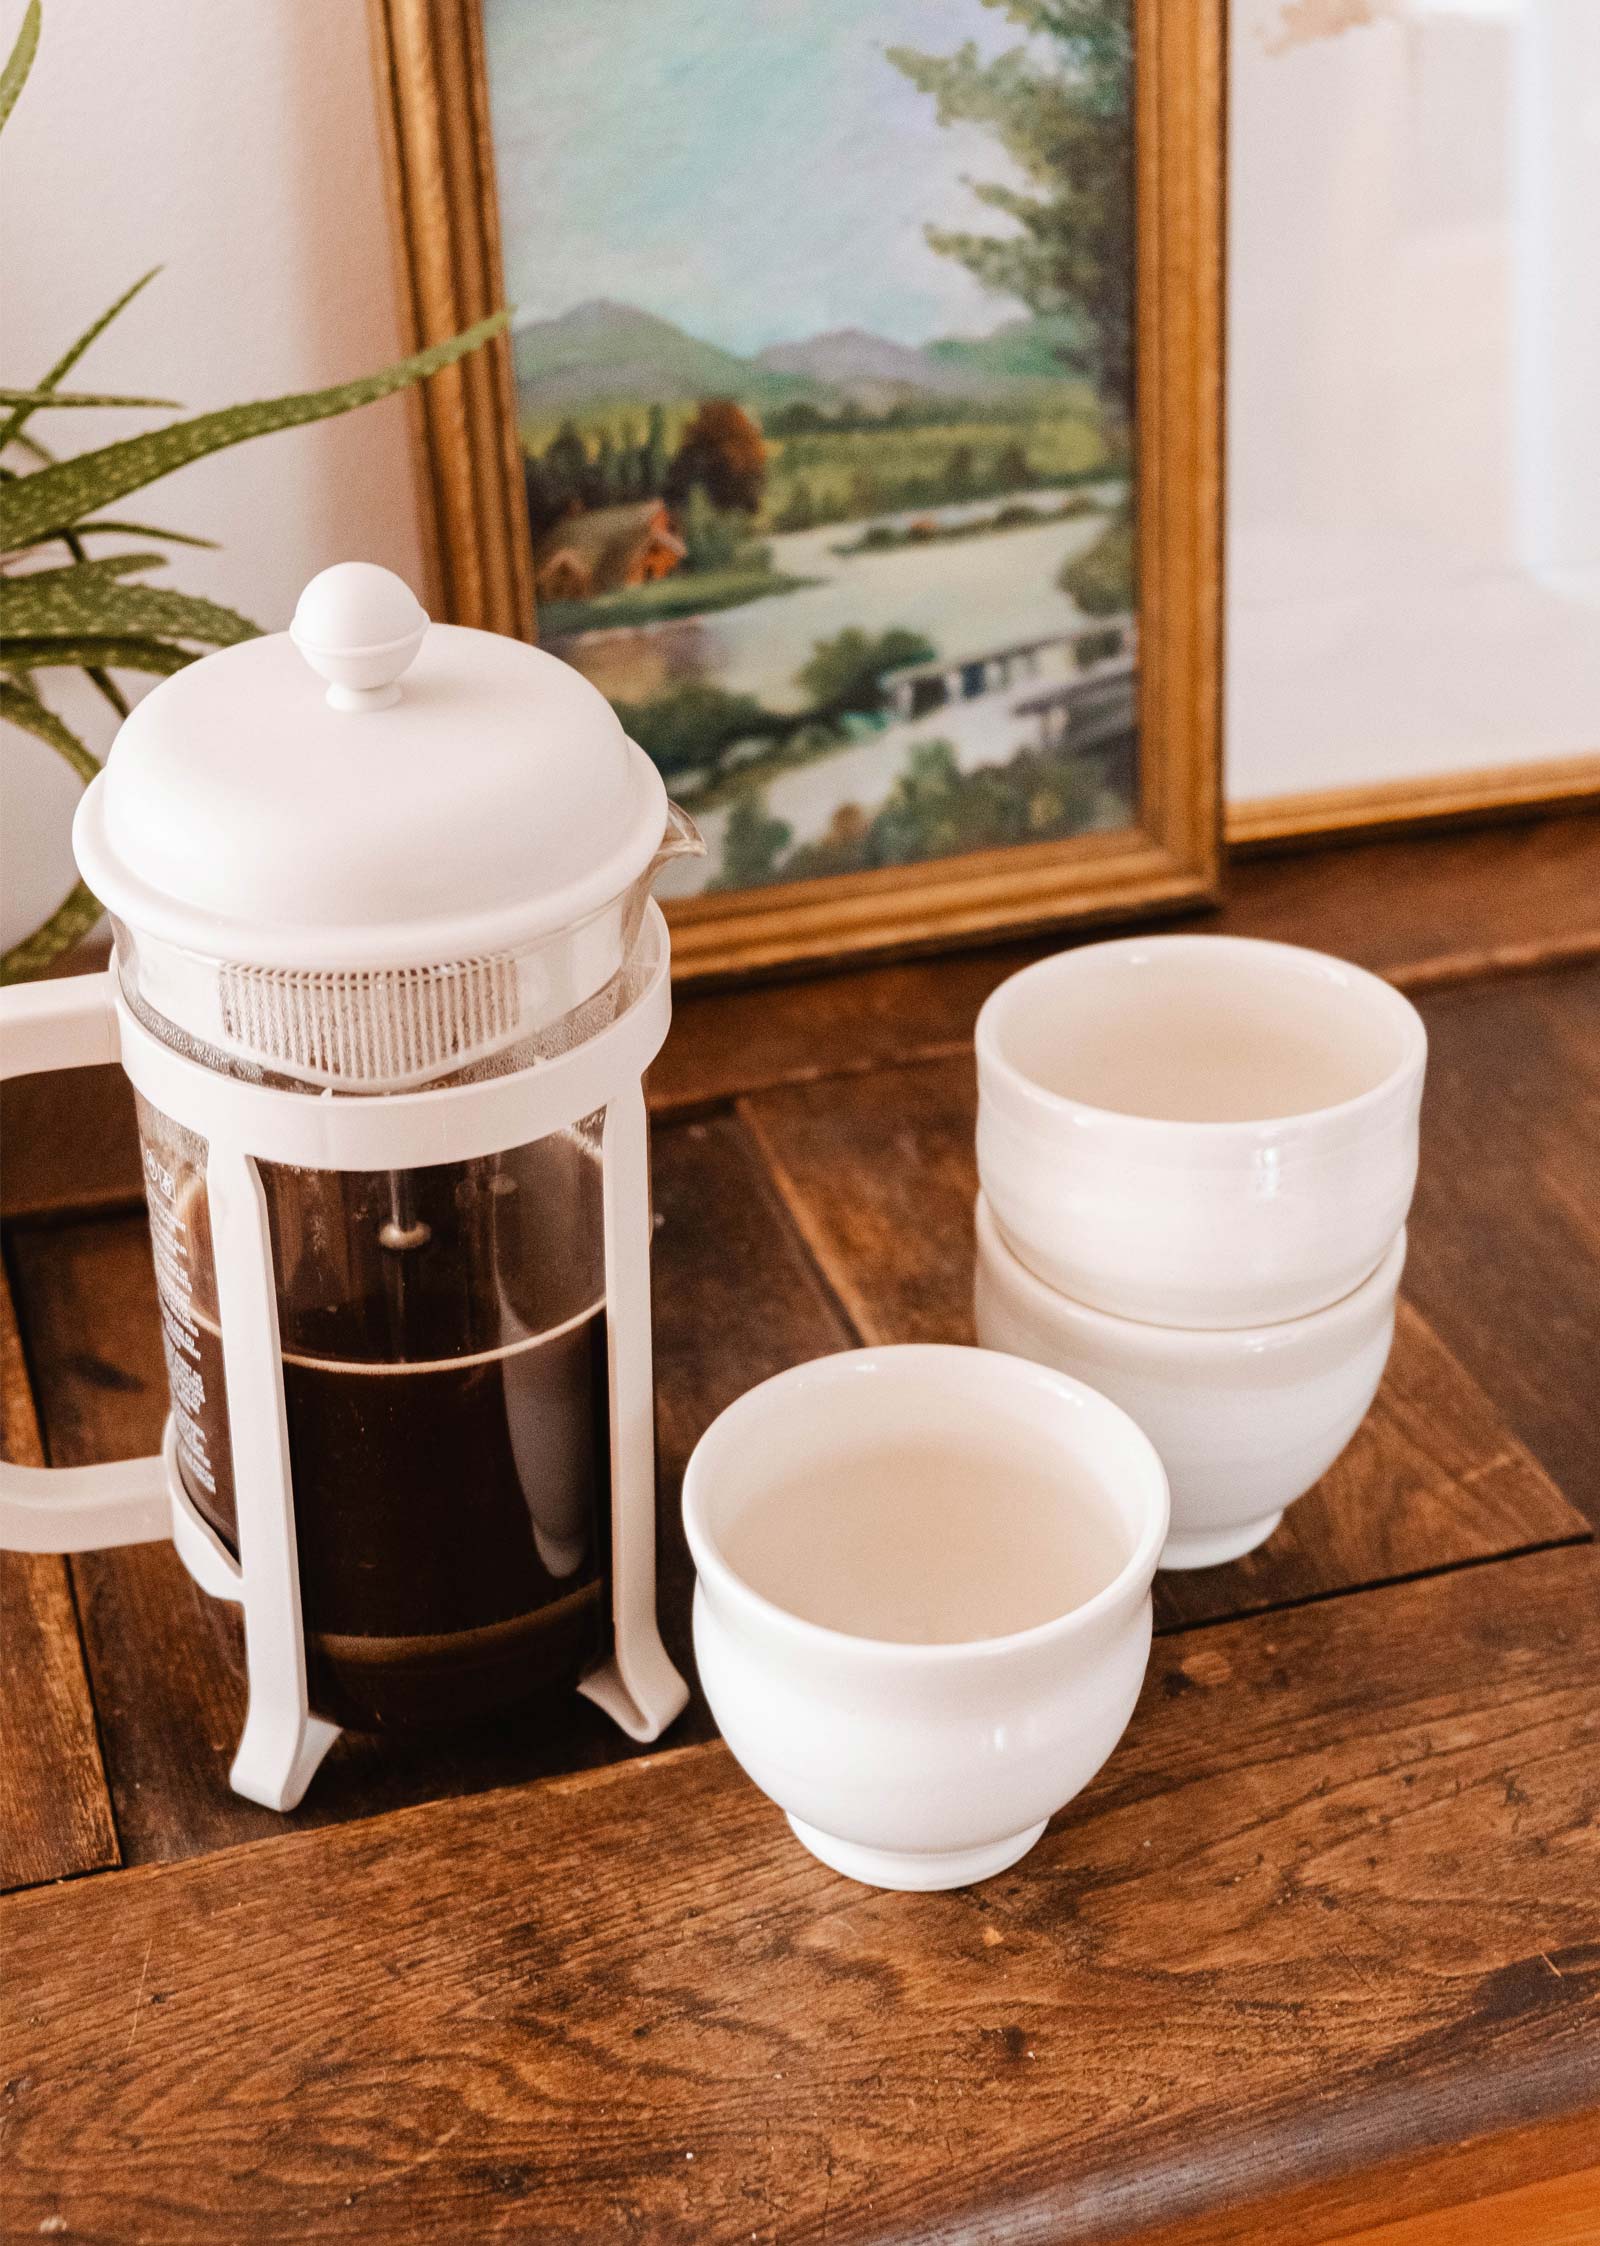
(1199, 1130)
(1245, 1420)
(860, 1525)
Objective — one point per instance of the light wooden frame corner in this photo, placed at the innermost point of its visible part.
(1444, 799)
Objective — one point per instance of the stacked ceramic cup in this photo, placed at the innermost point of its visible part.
(1196, 1156)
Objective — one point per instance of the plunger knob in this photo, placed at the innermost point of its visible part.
(360, 628)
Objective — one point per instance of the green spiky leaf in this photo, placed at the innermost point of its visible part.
(68, 924)
(103, 526)
(80, 567)
(88, 601)
(26, 710)
(50, 500)
(80, 908)
(65, 398)
(20, 60)
(11, 429)
(101, 680)
(109, 691)
(90, 654)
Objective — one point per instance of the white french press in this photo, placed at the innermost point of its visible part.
(387, 980)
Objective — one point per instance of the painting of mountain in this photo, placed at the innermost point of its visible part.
(600, 350)
(1023, 350)
(851, 363)
(825, 410)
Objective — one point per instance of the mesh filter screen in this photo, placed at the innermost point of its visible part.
(370, 1026)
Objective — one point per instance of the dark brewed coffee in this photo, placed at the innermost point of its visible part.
(449, 1450)
(449, 1520)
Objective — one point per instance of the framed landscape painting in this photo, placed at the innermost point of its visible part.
(856, 433)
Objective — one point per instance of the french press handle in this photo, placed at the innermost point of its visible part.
(71, 1022)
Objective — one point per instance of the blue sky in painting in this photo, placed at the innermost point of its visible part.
(756, 170)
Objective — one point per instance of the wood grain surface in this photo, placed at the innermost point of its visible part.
(1513, 2187)
(1317, 1957)
(70, 1143)
(879, 1174)
(1558, 2211)
(1506, 1231)
(736, 1299)
(55, 1810)
(1335, 1901)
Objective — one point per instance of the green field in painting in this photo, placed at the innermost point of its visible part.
(697, 593)
(842, 475)
(854, 469)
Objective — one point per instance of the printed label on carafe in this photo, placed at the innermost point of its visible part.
(180, 1336)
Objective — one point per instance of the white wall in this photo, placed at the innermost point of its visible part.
(236, 143)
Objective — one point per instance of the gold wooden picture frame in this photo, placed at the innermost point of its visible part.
(434, 98)
(1431, 799)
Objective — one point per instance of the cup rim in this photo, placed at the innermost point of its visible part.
(996, 1069)
(1199, 1341)
(993, 1365)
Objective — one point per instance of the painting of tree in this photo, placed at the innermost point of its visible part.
(723, 454)
(1069, 249)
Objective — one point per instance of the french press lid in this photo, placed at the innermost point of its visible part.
(337, 848)
(368, 789)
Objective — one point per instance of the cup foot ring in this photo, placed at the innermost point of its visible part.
(915, 1870)
(1209, 1548)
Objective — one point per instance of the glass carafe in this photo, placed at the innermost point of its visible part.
(443, 1337)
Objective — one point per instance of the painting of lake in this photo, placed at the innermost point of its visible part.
(824, 367)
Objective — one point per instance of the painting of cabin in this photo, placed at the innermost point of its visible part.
(605, 550)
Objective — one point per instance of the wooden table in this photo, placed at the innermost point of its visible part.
(1317, 1955)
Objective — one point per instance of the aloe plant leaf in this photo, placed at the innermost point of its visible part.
(100, 652)
(44, 591)
(86, 601)
(42, 504)
(11, 428)
(33, 398)
(80, 908)
(20, 60)
(107, 688)
(80, 567)
(72, 920)
(99, 678)
(103, 526)
(26, 710)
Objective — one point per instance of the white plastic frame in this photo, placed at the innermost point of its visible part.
(77, 1023)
